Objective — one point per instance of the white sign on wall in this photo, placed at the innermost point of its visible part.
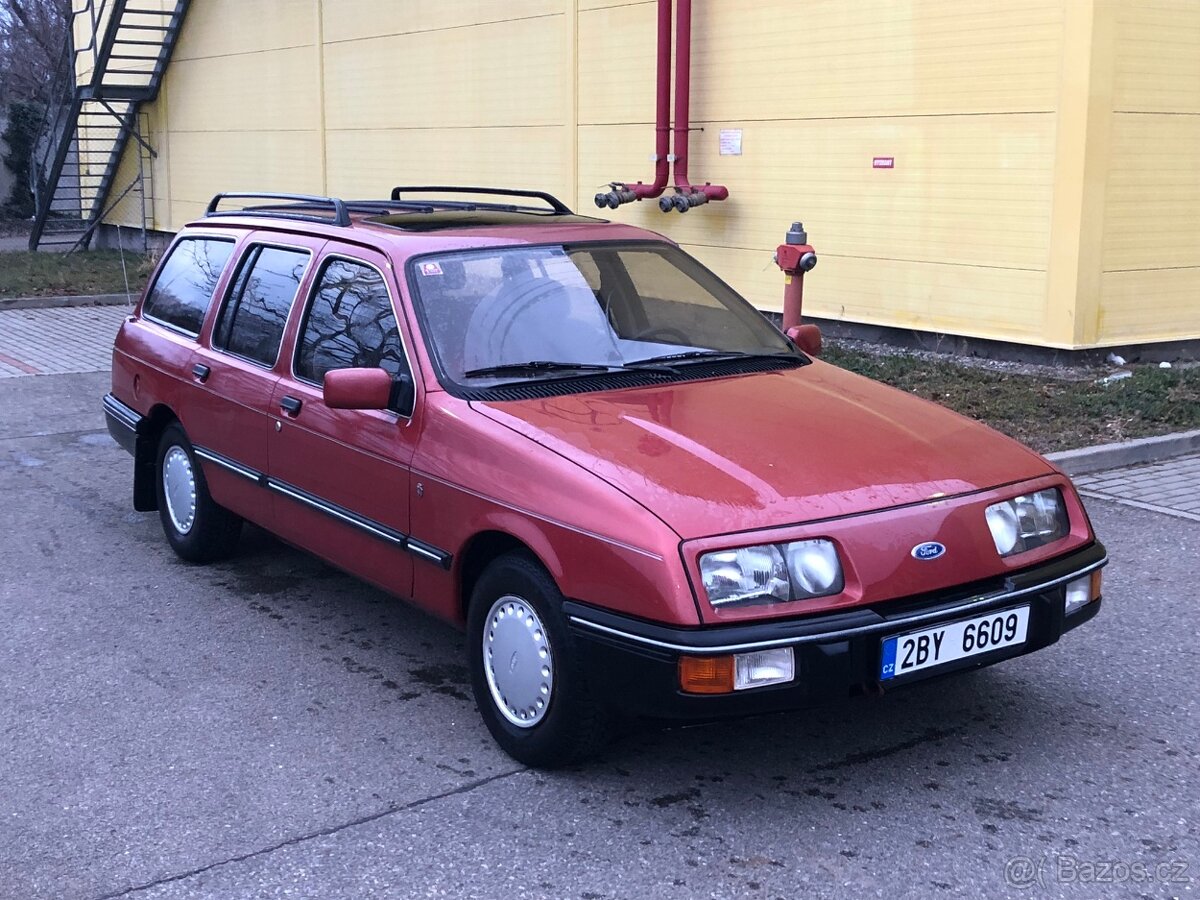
(731, 142)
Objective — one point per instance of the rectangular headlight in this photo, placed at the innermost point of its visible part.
(1080, 592)
(772, 573)
(1028, 521)
(763, 667)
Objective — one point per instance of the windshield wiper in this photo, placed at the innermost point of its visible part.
(712, 354)
(533, 365)
(548, 365)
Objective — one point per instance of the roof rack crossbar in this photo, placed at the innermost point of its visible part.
(421, 206)
(341, 215)
(557, 206)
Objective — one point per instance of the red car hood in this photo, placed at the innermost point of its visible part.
(756, 451)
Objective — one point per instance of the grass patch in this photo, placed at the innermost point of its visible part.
(1046, 412)
(70, 274)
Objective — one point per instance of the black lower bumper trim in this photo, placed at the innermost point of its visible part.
(635, 663)
(123, 422)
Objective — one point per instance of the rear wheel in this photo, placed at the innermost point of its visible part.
(529, 684)
(197, 528)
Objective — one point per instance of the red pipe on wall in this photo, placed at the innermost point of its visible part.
(627, 193)
(687, 195)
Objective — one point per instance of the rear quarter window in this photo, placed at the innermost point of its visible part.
(184, 288)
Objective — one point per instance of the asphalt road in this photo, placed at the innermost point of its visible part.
(269, 727)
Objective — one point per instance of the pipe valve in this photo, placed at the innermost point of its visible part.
(693, 195)
(620, 193)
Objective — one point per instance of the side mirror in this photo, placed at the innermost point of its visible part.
(403, 396)
(807, 338)
(357, 389)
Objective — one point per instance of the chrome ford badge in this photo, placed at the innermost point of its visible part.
(928, 550)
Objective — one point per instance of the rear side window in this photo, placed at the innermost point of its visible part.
(185, 284)
(252, 320)
(350, 324)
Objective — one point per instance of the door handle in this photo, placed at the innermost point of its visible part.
(201, 372)
(290, 405)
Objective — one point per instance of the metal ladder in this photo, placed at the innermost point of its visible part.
(84, 133)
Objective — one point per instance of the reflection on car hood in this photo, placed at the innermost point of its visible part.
(755, 451)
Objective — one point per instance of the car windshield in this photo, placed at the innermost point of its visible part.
(537, 312)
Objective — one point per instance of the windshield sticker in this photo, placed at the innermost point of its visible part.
(430, 268)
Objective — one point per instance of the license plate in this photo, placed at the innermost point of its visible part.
(942, 644)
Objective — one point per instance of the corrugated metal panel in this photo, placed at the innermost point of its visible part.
(1150, 286)
(1152, 214)
(272, 90)
(204, 162)
(218, 28)
(1150, 305)
(371, 163)
(1158, 57)
(501, 74)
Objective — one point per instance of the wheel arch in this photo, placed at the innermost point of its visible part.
(145, 457)
(480, 551)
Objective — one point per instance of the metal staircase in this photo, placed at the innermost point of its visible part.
(75, 173)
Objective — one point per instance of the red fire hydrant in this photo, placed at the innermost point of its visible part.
(795, 257)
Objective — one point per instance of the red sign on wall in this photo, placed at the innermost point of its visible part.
(883, 162)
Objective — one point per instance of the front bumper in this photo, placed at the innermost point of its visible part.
(633, 664)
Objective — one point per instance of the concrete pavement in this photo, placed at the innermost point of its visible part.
(58, 341)
(1171, 486)
(14, 243)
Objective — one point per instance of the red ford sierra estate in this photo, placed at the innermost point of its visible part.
(568, 437)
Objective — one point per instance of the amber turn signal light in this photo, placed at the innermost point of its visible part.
(1095, 590)
(706, 674)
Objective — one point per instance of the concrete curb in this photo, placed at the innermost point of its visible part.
(1129, 453)
(53, 302)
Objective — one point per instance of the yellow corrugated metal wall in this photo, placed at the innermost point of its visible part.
(977, 230)
(1150, 268)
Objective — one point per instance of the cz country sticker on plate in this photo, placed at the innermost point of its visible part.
(942, 644)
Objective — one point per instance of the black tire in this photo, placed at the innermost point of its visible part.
(574, 724)
(212, 532)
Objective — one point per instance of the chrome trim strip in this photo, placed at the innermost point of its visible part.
(379, 531)
(888, 626)
(420, 550)
(375, 529)
(226, 463)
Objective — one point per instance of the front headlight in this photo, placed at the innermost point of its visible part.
(771, 573)
(1028, 521)
(814, 568)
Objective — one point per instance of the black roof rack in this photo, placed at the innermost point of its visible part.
(335, 211)
(557, 207)
(294, 210)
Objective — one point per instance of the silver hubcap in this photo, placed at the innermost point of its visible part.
(179, 487)
(517, 660)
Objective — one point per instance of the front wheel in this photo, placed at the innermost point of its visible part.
(529, 685)
(197, 528)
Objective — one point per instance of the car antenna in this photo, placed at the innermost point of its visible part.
(124, 271)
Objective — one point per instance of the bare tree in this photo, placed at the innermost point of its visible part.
(34, 36)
